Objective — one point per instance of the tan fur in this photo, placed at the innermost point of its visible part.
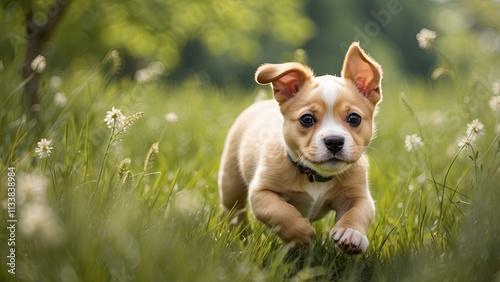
(255, 165)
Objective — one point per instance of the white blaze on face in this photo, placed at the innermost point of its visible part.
(332, 123)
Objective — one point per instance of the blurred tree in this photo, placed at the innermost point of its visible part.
(228, 39)
(39, 27)
(161, 29)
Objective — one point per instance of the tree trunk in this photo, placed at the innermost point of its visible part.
(37, 36)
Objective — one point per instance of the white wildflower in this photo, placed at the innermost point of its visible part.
(31, 189)
(115, 119)
(44, 149)
(144, 75)
(187, 203)
(413, 142)
(495, 103)
(496, 87)
(425, 37)
(153, 70)
(466, 141)
(60, 99)
(475, 129)
(39, 222)
(38, 64)
(156, 67)
(171, 117)
(55, 82)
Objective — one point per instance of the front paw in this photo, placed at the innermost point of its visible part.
(298, 234)
(349, 240)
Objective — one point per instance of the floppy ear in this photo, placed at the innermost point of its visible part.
(364, 72)
(287, 79)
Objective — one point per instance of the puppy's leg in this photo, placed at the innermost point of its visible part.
(352, 223)
(233, 191)
(285, 219)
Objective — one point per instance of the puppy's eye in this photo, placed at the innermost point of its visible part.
(307, 120)
(354, 120)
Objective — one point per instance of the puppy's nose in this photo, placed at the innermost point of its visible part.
(334, 143)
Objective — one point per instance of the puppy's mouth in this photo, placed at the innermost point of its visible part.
(329, 166)
(336, 159)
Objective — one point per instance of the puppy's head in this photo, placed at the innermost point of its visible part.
(328, 120)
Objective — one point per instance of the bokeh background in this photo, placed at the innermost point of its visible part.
(141, 203)
(224, 41)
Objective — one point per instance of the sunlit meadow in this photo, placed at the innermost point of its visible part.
(116, 181)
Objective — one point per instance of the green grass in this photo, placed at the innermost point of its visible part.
(437, 207)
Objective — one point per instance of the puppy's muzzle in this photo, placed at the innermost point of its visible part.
(334, 143)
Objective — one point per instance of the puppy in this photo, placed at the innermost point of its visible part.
(300, 155)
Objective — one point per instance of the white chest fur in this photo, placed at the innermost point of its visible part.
(316, 191)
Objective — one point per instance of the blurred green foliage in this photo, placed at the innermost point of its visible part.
(225, 41)
(437, 207)
(159, 30)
